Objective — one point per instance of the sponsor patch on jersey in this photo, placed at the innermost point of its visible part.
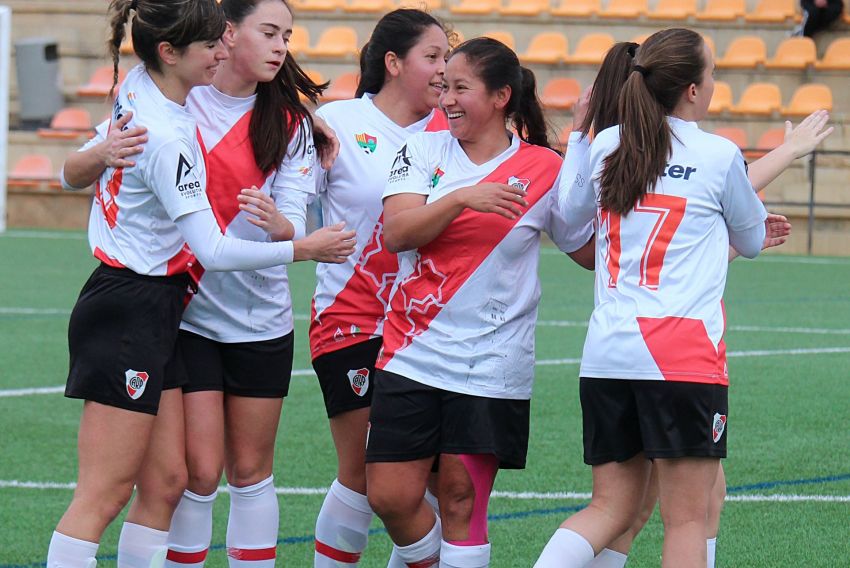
(367, 142)
(305, 170)
(188, 184)
(136, 381)
(519, 183)
(401, 166)
(359, 379)
(718, 427)
(435, 179)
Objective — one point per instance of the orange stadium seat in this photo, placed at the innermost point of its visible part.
(505, 37)
(368, 6)
(32, 170)
(342, 87)
(808, 98)
(299, 41)
(837, 55)
(591, 49)
(546, 47)
(759, 98)
(768, 141)
(335, 41)
(721, 100)
(68, 123)
(625, 9)
(314, 76)
(525, 8)
(735, 134)
(477, 7)
(560, 93)
(100, 82)
(745, 52)
(427, 5)
(317, 5)
(793, 53)
(776, 11)
(640, 38)
(577, 8)
(723, 10)
(674, 10)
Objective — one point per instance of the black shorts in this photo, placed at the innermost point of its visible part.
(662, 419)
(347, 376)
(411, 421)
(260, 369)
(122, 336)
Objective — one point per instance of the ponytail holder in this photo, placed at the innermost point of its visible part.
(134, 5)
(640, 69)
(632, 49)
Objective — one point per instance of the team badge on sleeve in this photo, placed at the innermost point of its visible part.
(435, 179)
(136, 382)
(718, 427)
(367, 142)
(359, 380)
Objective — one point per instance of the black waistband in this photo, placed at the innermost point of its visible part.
(181, 280)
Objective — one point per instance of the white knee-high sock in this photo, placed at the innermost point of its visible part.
(454, 556)
(69, 552)
(342, 528)
(711, 549)
(252, 525)
(141, 547)
(608, 559)
(423, 553)
(191, 531)
(566, 549)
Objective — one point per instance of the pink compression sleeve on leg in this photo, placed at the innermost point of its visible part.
(482, 469)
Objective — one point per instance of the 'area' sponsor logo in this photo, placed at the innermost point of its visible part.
(401, 165)
(136, 381)
(187, 188)
(359, 379)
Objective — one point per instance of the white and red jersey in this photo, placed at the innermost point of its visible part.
(351, 298)
(132, 218)
(462, 316)
(661, 269)
(251, 305)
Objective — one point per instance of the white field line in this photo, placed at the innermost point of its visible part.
(7, 393)
(515, 495)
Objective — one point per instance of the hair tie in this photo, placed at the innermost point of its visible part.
(640, 69)
(632, 49)
(134, 5)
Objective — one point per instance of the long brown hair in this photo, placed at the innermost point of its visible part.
(178, 22)
(605, 93)
(665, 65)
(278, 110)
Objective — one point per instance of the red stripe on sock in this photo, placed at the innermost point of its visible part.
(336, 554)
(187, 557)
(432, 560)
(252, 553)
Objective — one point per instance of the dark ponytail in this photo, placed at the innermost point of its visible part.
(498, 66)
(602, 108)
(396, 32)
(278, 110)
(666, 64)
(178, 22)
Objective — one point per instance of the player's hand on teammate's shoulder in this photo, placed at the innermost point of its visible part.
(498, 198)
(331, 244)
(122, 143)
(264, 214)
(805, 137)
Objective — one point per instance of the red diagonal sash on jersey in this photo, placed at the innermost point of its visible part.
(358, 309)
(447, 262)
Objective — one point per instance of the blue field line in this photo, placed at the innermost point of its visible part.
(516, 515)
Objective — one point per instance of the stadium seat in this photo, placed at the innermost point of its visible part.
(837, 55)
(475, 7)
(427, 5)
(546, 47)
(342, 87)
(722, 10)
(314, 76)
(768, 141)
(745, 52)
(625, 9)
(368, 6)
(335, 41)
(525, 8)
(68, 123)
(299, 41)
(560, 93)
(577, 8)
(808, 98)
(735, 134)
(591, 49)
(316, 5)
(759, 98)
(100, 83)
(775, 11)
(505, 37)
(721, 100)
(32, 170)
(673, 10)
(793, 53)
(640, 38)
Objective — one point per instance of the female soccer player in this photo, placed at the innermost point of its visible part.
(123, 329)
(401, 70)
(668, 199)
(455, 374)
(600, 113)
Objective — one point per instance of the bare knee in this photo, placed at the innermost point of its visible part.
(244, 473)
(105, 503)
(203, 479)
(165, 486)
(457, 501)
(392, 504)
